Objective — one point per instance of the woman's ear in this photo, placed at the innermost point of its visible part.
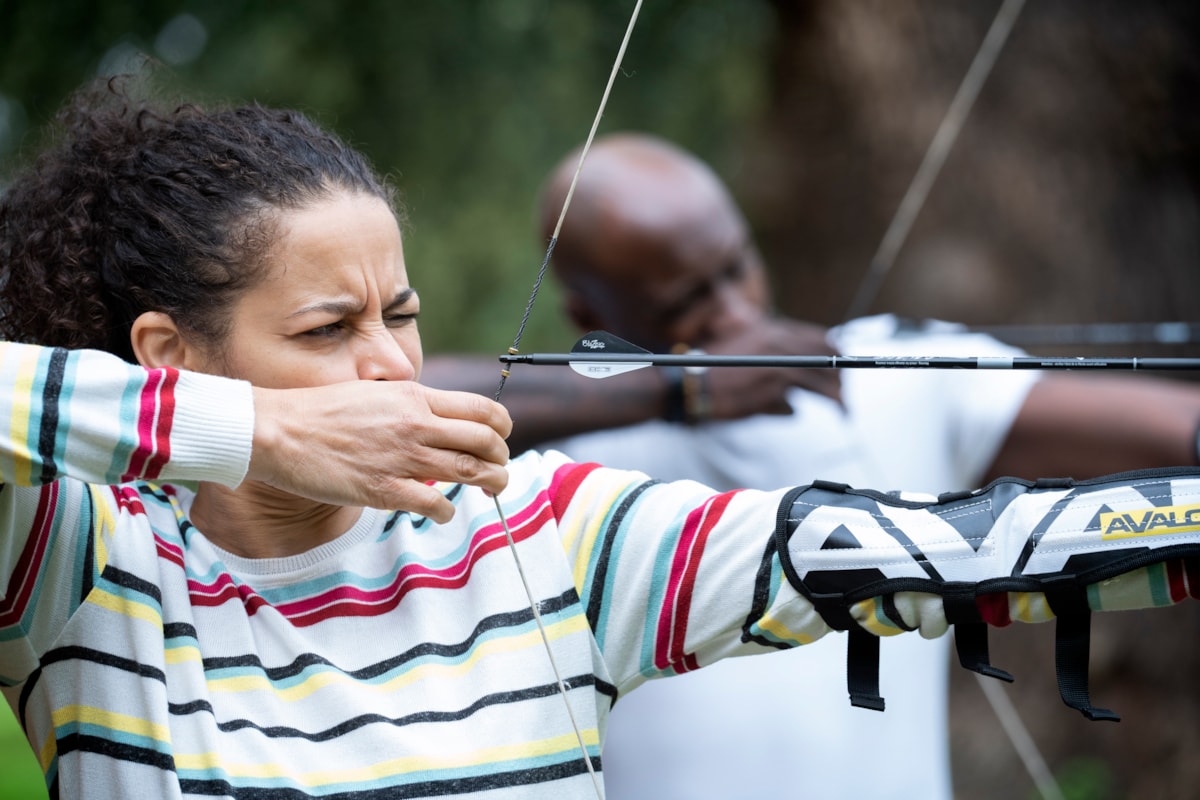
(157, 342)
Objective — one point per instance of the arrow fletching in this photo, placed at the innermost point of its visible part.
(604, 342)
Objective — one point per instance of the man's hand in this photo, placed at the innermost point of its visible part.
(377, 443)
(736, 392)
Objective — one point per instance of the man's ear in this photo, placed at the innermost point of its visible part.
(157, 342)
(580, 312)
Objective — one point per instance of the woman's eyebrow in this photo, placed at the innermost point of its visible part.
(342, 308)
(402, 297)
(332, 307)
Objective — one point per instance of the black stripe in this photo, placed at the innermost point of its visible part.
(1044, 524)
(364, 720)
(913, 550)
(83, 743)
(760, 599)
(76, 653)
(893, 614)
(425, 649)
(26, 693)
(442, 788)
(88, 567)
(596, 601)
(48, 433)
(127, 580)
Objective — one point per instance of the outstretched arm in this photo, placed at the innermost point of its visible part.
(876, 565)
(549, 403)
(90, 416)
(1088, 425)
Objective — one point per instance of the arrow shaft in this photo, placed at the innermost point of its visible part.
(856, 362)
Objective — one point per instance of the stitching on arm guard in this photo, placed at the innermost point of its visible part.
(841, 546)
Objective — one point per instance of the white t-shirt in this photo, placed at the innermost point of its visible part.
(708, 734)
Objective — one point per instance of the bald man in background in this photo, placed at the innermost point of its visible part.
(655, 250)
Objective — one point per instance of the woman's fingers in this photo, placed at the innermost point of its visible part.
(379, 443)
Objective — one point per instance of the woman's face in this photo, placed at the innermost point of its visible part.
(334, 305)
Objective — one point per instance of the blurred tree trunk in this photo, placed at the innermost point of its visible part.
(1071, 196)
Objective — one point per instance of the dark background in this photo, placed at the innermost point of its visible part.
(1071, 197)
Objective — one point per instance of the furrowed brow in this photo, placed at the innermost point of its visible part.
(402, 297)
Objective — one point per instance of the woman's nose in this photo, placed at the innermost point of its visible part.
(382, 358)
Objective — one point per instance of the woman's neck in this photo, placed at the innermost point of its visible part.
(258, 521)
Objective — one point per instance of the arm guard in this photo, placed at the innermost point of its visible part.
(874, 564)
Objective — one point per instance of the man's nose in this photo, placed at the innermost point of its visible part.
(381, 358)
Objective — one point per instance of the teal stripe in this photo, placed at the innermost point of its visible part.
(610, 577)
(1160, 592)
(660, 577)
(111, 735)
(395, 780)
(67, 497)
(130, 595)
(127, 418)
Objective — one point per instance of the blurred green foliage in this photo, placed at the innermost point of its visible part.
(466, 105)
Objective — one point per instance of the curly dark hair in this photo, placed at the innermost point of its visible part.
(136, 209)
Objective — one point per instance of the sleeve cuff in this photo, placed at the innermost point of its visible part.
(213, 431)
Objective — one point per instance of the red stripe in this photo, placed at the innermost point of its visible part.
(994, 609)
(348, 601)
(128, 500)
(565, 484)
(168, 551)
(25, 573)
(675, 613)
(145, 425)
(162, 433)
(1176, 581)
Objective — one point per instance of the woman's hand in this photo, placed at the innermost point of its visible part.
(377, 443)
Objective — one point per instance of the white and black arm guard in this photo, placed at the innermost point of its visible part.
(874, 564)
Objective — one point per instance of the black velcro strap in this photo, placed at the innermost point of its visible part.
(1072, 646)
(971, 643)
(862, 669)
(970, 631)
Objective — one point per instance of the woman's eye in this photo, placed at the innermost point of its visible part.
(332, 329)
(399, 320)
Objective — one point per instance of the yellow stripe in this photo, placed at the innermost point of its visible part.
(589, 534)
(104, 524)
(868, 614)
(320, 680)
(777, 629)
(90, 715)
(22, 408)
(126, 607)
(47, 752)
(396, 766)
(1029, 607)
(182, 654)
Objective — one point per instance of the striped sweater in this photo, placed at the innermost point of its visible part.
(400, 660)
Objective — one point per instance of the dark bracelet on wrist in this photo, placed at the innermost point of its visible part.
(675, 405)
(697, 407)
(687, 399)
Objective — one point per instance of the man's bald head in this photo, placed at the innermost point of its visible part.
(651, 241)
